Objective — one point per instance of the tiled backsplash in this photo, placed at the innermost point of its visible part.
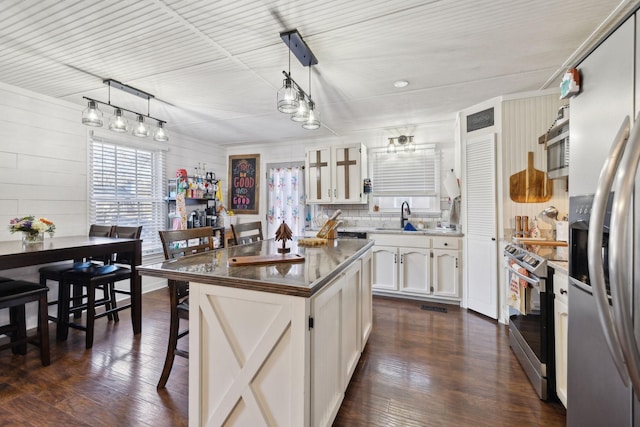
(359, 216)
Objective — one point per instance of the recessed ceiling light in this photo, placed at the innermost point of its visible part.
(401, 83)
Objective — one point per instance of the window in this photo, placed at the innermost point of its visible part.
(412, 177)
(126, 185)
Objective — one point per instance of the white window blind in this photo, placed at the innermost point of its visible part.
(126, 188)
(406, 174)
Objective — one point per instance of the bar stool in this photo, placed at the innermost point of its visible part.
(54, 272)
(14, 295)
(92, 278)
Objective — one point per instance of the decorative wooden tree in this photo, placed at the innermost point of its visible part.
(283, 233)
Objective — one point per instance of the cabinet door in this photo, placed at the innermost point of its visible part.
(415, 270)
(318, 176)
(561, 322)
(347, 174)
(350, 329)
(366, 276)
(326, 362)
(446, 273)
(385, 270)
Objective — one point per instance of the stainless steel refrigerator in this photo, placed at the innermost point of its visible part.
(604, 261)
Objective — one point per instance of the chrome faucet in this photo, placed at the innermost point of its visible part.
(402, 217)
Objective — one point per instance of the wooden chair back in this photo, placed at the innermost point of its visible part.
(247, 233)
(178, 243)
(125, 233)
(100, 230)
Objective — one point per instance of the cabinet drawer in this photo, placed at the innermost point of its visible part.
(561, 286)
(420, 241)
(446, 242)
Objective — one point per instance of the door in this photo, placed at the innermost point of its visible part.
(446, 273)
(346, 173)
(415, 274)
(481, 226)
(385, 268)
(318, 166)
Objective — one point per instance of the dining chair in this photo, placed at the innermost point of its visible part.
(247, 233)
(176, 244)
(54, 272)
(14, 295)
(94, 277)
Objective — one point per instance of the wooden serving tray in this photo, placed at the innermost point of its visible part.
(265, 259)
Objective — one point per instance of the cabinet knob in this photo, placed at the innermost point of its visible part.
(446, 244)
(563, 291)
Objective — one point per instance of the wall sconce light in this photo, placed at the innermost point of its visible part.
(92, 116)
(292, 99)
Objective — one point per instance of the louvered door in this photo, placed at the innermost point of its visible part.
(481, 229)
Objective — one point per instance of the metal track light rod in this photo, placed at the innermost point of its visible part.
(129, 89)
(125, 109)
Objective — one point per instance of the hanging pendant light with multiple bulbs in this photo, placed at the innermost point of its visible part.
(92, 116)
(292, 99)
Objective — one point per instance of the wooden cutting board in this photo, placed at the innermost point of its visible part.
(264, 259)
(530, 185)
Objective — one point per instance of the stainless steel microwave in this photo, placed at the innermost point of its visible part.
(558, 146)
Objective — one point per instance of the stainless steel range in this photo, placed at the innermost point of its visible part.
(531, 331)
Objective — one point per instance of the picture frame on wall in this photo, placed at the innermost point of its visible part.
(244, 184)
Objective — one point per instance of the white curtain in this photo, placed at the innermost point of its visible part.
(286, 199)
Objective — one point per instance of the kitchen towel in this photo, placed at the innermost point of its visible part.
(454, 215)
(517, 295)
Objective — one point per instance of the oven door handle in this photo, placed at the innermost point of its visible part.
(594, 248)
(528, 279)
(619, 257)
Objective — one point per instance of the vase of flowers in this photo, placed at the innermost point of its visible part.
(32, 228)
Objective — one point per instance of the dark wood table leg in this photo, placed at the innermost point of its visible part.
(136, 289)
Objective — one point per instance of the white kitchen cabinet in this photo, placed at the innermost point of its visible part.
(401, 263)
(341, 313)
(366, 301)
(335, 174)
(416, 265)
(561, 321)
(446, 257)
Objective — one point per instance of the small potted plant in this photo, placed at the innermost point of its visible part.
(32, 229)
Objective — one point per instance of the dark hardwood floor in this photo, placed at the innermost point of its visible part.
(420, 368)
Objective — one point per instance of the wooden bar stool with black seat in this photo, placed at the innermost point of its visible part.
(92, 278)
(247, 233)
(54, 272)
(14, 295)
(175, 244)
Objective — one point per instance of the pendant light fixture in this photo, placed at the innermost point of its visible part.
(313, 119)
(118, 123)
(161, 134)
(302, 113)
(92, 116)
(292, 98)
(140, 129)
(288, 95)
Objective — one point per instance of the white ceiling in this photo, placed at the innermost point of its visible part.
(216, 65)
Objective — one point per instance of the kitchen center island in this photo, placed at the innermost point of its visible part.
(273, 344)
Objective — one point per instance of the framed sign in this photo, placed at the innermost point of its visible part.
(244, 183)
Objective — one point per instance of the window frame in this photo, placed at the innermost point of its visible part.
(154, 198)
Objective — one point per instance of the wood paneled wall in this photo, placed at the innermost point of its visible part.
(523, 121)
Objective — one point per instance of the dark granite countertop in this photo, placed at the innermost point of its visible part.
(321, 265)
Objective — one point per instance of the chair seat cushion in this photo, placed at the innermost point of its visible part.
(17, 288)
(102, 273)
(61, 268)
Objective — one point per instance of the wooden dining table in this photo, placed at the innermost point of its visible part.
(14, 254)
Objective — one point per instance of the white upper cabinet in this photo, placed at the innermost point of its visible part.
(335, 174)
